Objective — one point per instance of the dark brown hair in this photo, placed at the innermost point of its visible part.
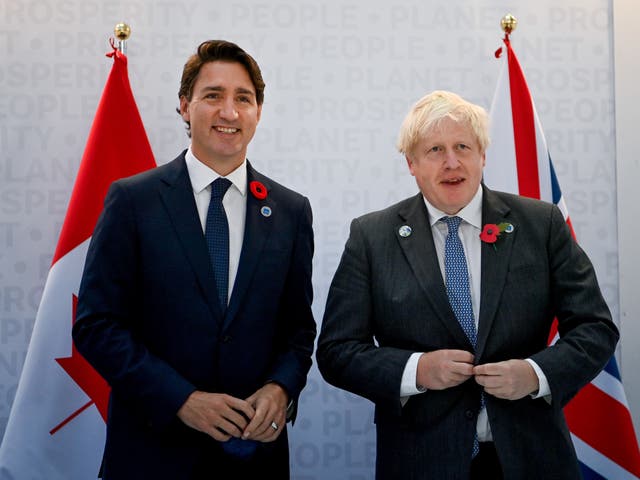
(219, 50)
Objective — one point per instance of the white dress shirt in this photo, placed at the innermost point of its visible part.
(234, 202)
(469, 232)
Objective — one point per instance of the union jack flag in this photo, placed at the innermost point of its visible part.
(518, 161)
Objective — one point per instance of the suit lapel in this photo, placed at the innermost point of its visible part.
(177, 195)
(422, 258)
(257, 228)
(494, 264)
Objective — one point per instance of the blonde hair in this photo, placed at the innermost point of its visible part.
(430, 110)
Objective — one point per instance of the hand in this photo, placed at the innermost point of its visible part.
(511, 380)
(270, 404)
(218, 415)
(442, 369)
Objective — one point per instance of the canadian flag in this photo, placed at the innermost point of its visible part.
(518, 161)
(56, 428)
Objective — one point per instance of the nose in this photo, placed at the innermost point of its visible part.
(451, 159)
(228, 110)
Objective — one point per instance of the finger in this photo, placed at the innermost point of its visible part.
(272, 423)
(272, 432)
(452, 380)
(228, 428)
(480, 370)
(242, 406)
(493, 392)
(267, 410)
(490, 380)
(461, 368)
(499, 393)
(252, 399)
(238, 419)
(270, 428)
(481, 380)
(461, 356)
(489, 369)
(258, 424)
(218, 434)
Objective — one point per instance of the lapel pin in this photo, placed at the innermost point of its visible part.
(508, 228)
(265, 211)
(258, 190)
(404, 231)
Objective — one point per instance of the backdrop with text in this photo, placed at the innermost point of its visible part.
(340, 77)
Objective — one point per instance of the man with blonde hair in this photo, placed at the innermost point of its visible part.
(440, 311)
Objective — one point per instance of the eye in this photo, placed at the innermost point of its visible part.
(212, 96)
(462, 146)
(244, 99)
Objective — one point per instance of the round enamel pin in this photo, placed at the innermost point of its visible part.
(404, 231)
(265, 211)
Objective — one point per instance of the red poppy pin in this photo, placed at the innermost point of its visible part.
(491, 232)
(258, 190)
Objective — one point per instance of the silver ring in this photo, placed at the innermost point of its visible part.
(274, 425)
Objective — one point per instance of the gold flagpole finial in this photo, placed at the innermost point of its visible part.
(122, 32)
(508, 23)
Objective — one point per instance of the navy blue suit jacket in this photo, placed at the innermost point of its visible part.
(149, 321)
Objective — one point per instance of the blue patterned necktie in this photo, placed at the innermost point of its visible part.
(217, 236)
(457, 279)
(457, 282)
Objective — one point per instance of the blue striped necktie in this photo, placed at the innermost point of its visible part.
(458, 290)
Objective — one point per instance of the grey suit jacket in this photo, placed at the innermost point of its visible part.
(388, 300)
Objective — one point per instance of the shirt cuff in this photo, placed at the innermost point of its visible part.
(543, 384)
(408, 386)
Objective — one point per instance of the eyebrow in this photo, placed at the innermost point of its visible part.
(240, 90)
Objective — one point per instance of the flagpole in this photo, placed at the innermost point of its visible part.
(122, 32)
(518, 162)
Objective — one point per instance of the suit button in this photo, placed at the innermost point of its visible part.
(227, 339)
(469, 414)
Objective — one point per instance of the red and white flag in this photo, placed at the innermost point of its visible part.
(518, 161)
(56, 428)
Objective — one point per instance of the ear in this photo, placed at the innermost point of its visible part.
(484, 159)
(259, 111)
(410, 164)
(184, 109)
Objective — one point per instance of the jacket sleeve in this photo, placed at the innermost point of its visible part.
(105, 328)
(297, 331)
(348, 355)
(587, 333)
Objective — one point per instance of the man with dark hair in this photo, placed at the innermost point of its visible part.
(195, 302)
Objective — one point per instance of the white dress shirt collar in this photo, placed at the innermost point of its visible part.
(201, 175)
(471, 213)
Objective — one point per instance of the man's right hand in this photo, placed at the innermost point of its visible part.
(442, 369)
(219, 415)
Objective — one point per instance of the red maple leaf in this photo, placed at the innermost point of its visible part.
(87, 379)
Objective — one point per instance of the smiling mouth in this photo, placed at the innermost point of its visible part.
(226, 129)
(453, 181)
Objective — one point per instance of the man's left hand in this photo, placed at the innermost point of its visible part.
(270, 404)
(511, 380)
